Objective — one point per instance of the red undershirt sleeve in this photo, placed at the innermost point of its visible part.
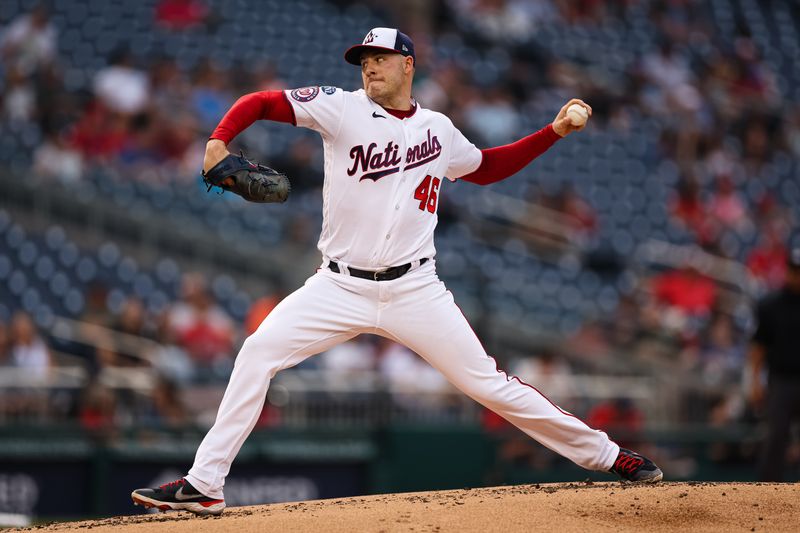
(503, 161)
(264, 105)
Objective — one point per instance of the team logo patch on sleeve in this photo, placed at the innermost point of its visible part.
(305, 94)
(327, 89)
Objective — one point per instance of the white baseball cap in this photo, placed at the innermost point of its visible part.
(389, 39)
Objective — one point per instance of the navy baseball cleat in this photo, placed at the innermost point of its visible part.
(631, 466)
(178, 495)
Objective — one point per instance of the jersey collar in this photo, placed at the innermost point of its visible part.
(402, 114)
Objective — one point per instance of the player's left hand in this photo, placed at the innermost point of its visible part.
(562, 123)
(251, 181)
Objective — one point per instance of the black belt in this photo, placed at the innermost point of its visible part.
(381, 275)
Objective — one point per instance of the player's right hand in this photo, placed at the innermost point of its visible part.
(562, 123)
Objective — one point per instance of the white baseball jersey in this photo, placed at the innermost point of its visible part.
(383, 175)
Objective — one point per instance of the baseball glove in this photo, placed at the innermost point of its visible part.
(251, 181)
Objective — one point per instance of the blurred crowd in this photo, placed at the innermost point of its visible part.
(134, 115)
(191, 344)
(725, 121)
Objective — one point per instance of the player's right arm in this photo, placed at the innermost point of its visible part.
(501, 162)
(263, 105)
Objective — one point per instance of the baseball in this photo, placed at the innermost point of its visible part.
(577, 114)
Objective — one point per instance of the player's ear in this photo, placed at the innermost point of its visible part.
(409, 66)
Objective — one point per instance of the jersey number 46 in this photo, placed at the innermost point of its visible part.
(426, 193)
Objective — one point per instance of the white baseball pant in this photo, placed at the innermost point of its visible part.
(415, 310)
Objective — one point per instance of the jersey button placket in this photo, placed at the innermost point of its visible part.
(402, 168)
(399, 190)
(408, 143)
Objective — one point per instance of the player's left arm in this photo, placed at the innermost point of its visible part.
(503, 161)
(263, 105)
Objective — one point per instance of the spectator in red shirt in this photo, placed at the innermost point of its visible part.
(767, 261)
(727, 206)
(180, 14)
(685, 289)
(689, 210)
(99, 133)
(619, 416)
(201, 327)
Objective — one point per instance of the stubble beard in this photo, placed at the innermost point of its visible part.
(384, 92)
(377, 94)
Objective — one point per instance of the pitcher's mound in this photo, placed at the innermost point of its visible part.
(558, 508)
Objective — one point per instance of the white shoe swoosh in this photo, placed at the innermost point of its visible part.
(181, 497)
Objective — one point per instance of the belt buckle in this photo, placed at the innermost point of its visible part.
(375, 275)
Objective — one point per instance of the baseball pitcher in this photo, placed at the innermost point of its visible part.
(387, 160)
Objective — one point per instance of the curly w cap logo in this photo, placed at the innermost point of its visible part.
(370, 37)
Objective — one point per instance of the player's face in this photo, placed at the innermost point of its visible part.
(383, 74)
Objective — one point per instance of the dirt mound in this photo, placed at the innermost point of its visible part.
(553, 507)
